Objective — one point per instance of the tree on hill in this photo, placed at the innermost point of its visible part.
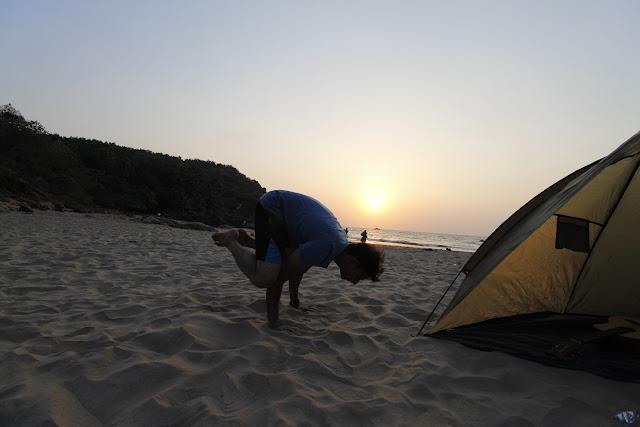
(12, 118)
(45, 169)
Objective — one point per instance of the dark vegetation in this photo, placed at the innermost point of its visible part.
(48, 171)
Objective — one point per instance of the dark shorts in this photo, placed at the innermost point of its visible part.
(272, 239)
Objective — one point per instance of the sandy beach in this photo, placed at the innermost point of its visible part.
(105, 320)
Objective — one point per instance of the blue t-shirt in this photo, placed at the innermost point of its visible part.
(311, 226)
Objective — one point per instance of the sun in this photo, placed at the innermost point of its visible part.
(374, 202)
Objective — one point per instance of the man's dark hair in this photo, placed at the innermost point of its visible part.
(370, 258)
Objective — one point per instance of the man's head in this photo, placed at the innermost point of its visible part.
(364, 262)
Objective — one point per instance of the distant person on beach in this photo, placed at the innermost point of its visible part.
(293, 233)
(364, 236)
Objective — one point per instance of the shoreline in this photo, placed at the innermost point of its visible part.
(416, 246)
(195, 225)
(419, 239)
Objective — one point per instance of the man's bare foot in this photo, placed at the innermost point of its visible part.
(245, 240)
(224, 238)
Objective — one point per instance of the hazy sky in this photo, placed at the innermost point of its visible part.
(452, 114)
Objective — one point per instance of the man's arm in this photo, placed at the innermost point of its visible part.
(273, 303)
(294, 284)
(295, 273)
(292, 271)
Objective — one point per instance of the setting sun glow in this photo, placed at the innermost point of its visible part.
(374, 202)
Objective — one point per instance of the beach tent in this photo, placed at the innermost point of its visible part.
(565, 267)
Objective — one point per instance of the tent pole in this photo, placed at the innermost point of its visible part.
(434, 308)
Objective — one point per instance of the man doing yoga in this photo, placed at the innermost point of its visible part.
(293, 233)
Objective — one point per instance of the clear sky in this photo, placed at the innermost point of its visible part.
(441, 116)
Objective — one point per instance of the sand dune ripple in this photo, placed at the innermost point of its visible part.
(109, 321)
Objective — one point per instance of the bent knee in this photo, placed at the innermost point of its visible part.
(263, 282)
(266, 274)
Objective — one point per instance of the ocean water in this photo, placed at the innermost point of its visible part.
(417, 239)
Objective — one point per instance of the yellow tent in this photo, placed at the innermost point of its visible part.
(569, 253)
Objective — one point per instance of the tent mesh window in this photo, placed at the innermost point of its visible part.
(572, 234)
